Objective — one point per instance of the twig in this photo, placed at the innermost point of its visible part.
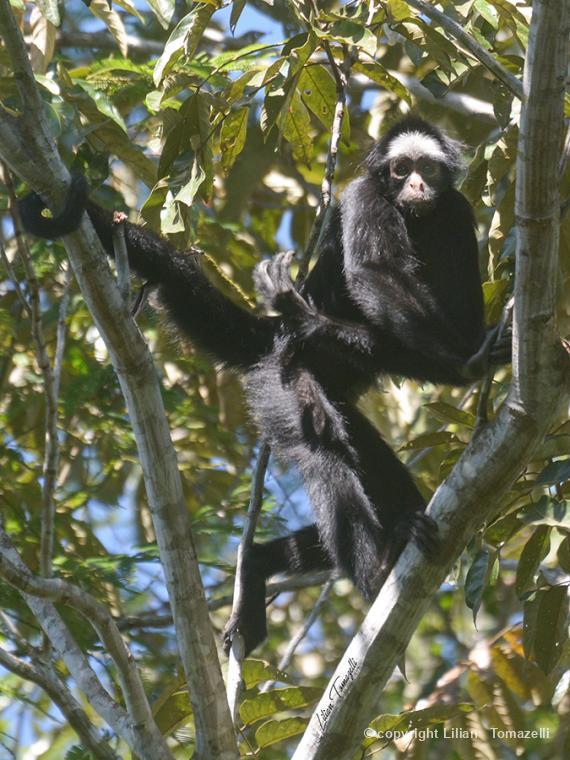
(234, 680)
(340, 74)
(565, 156)
(50, 381)
(16, 573)
(46, 677)
(456, 31)
(121, 257)
(303, 631)
(482, 414)
(163, 620)
(27, 145)
(493, 460)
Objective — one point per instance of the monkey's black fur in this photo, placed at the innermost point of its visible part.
(393, 291)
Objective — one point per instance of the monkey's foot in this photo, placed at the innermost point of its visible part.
(252, 627)
(422, 530)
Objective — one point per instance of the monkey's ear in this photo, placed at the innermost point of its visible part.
(32, 208)
(455, 155)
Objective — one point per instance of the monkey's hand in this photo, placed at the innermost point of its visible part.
(275, 288)
(495, 350)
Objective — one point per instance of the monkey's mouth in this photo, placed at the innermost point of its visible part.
(417, 205)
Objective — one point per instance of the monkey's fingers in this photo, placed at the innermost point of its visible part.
(501, 350)
(278, 271)
(264, 285)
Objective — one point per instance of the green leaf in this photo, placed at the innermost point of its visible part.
(546, 630)
(535, 550)
(77, 752)
(488, 12)
(232, 136)
(295, 125)
(172, 709)
(494, 298)
(235, 90)
(379, 75)
(351, 33)
(254, 672)
(501, 225)
(563, 555)
(275, 731)
(548, 511)
(188, 191)
(50, 11)
(429, 440)
(448, 413)
(276, 700)
(555, 473)
(163, 10)
(237, 8)
(184, 39)
(475, 180)
(317, 88)
(103, 103)
(475, 582)
(398, 10)
(299, 54)
(244, 58)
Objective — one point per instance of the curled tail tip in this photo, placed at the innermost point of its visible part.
(31, 207)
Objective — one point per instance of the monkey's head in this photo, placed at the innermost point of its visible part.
(414, 163)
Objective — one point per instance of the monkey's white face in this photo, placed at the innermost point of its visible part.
(416, 182)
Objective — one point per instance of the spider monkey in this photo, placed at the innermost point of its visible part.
(395, 289)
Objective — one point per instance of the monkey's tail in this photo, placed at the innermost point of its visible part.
(34, 221)
(233, 335)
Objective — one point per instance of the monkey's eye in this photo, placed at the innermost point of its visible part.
(401, 167)
(428, 168)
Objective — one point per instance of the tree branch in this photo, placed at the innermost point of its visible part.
(457, 32)
(142, 725)
(493, 459)
(340, 73)
(45, 677)
(51, 380)
(163, 620)
(26, 146)
(234, 680)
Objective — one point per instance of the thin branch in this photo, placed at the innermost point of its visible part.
(15, 572)
(27, 146)
(163, 620)
(494, 458)
(482, 414)
(21, 70)
(565, 156)
(51, 388)
(15, 282)
(456, 31)
(303, 631)
(340, 73)
(122, 258)
(45, 677)
(61, 329)
(234, 680)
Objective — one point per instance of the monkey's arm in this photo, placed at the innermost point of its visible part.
(386, 340)
(233, 335)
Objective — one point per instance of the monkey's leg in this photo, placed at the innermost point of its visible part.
(398, 502)
(298, 553)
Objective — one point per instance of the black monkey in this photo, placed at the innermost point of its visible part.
(395, 289)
